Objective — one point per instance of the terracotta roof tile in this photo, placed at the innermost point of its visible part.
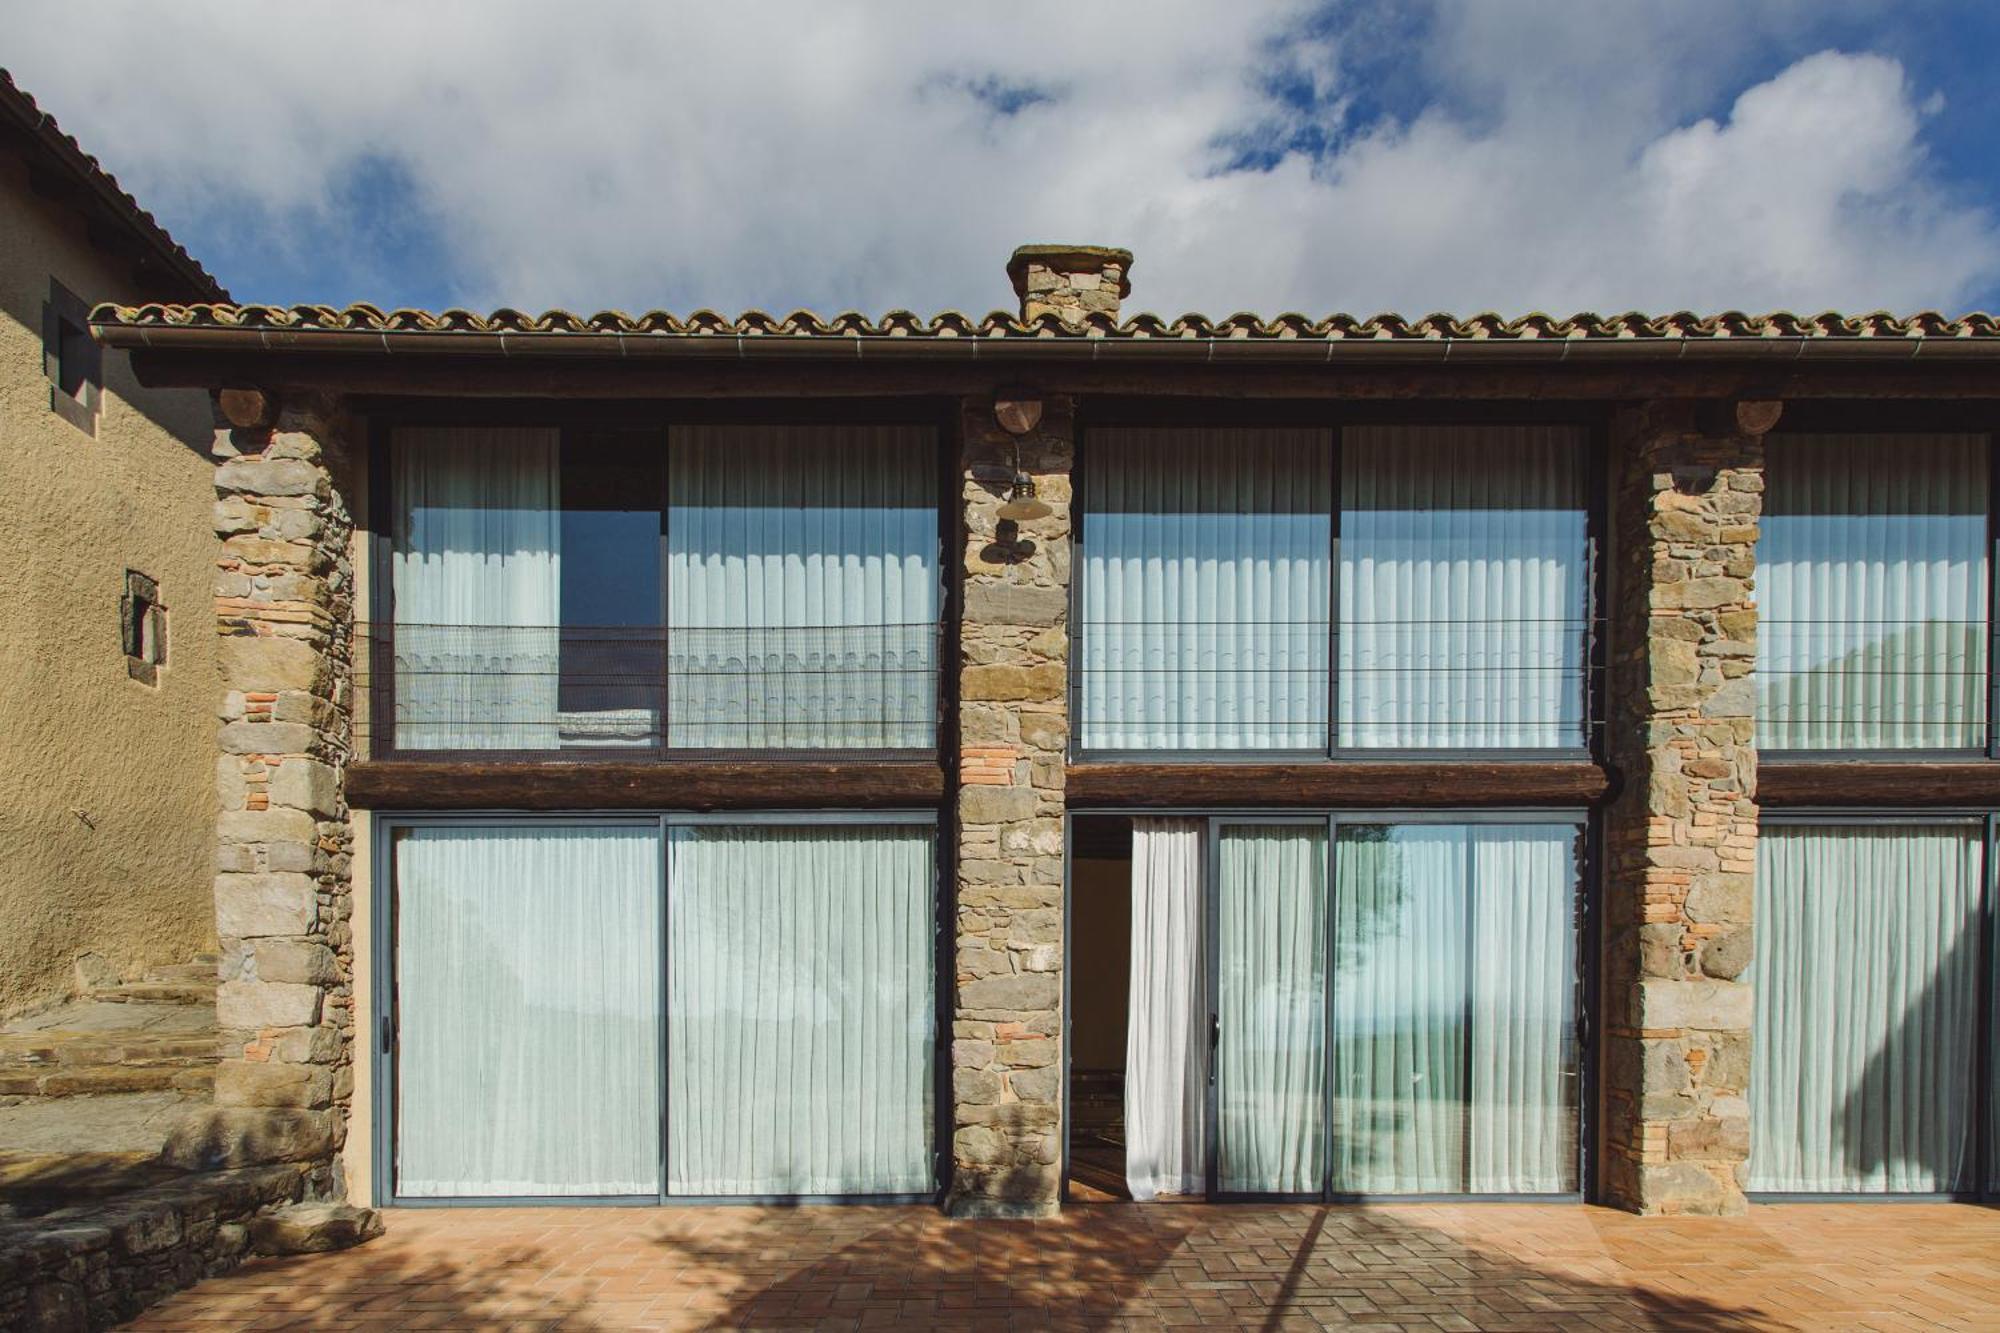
(62, 153)
(999, 324)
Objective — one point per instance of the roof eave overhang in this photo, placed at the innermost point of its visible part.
(615, 346)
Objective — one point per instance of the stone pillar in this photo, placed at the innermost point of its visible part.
(1013, 733)
(1680, 842)
(1071, 282)
(284, 609)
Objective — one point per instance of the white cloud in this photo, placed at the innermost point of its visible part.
(891, 155)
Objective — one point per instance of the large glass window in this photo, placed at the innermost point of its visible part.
(1455, 1059)
(740, 588)
(1866, 978)
(1206, 589)
(1209, 577)
(776, 985)
(1399, 1019)
(1872, 584)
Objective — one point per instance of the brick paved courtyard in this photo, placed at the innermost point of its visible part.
(1263, 1267)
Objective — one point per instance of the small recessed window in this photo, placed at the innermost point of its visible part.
(145, 628)
(72, 359)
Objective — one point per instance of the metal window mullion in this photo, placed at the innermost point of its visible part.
(1992, 594)
(1336, 451)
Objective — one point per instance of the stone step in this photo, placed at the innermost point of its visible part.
(200, 971)
(157, 992)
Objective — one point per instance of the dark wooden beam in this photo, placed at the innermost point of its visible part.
(1860, 782)
(698, 785)
(440, 373)
(1358, 784)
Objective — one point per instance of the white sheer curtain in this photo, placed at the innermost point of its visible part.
(1454, 1018)
(1524, 1051)
(1270, 1082)
(475, 573)
(528, 1003)
(1462, 586)
(1866, 984)
(1166, 1057)
(802, 586)
(1206, 589)
(801, 1015)
(1872, 584)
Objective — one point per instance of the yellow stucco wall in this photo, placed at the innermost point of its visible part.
(107, 800)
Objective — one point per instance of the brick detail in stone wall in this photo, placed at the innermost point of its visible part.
(284, 610)
(1681, 839)
(1014, 729)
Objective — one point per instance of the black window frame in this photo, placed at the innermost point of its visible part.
(1591, 419)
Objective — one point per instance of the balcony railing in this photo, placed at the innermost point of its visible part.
(1858, 683)
(1475, 684)
(580, 692)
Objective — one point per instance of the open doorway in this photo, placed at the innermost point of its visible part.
(1100, 971)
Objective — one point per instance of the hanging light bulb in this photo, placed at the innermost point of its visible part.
(1022, 505)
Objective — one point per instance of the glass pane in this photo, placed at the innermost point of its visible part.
(527, 1002)
(476, 581)
(1872, 585)
(1205, 589)
(1455, 1053)
(803, 587)
(800, 1038)
(1270, 1081)
(613, 684)
(1463, 587)
(1866, 984)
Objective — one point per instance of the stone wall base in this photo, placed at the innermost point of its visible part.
(100, 1263)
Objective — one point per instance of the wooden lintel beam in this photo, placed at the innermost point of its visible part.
(700, 785)
(1891, 784)
(1360, 784)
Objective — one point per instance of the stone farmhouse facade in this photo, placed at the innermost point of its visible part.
(744, 758)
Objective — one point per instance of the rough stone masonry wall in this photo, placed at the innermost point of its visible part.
(1681, 839)
(284, 608)
(1014, 730)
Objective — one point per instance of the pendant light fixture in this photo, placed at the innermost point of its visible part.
(1018, 412)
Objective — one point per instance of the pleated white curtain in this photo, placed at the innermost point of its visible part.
(1866, 983)
(1454, 1009)
(528, 1000)
(1524, 1052)
(475, 573)
(1206, 589)
(803, 586)
(1271, 1049)
(800, 1036)
(1166, 1056)
(1872, 584)
(1463, 587)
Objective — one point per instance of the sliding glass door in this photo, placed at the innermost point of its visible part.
(650, 1007)
(1393, 1005)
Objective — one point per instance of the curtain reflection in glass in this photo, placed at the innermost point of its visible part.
(1454, 1009)
(1271, 1046)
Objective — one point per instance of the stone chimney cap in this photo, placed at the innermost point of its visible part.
(1072, 259)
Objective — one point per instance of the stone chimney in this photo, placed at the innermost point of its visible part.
(1071, 282)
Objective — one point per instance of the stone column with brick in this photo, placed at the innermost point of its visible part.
(284, 609)
(1014, 736)
(1681, 838)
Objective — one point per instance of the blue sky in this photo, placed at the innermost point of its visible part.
(1315, 155)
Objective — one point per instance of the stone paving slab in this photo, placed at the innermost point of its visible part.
(1503, 1267)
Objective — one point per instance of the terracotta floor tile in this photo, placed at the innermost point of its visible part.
(1265, 1267)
